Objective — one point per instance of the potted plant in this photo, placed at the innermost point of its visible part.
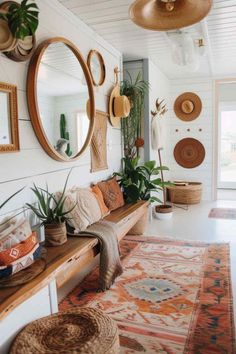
(164, 210)
(140, 182)
(135, 90)
(50, 210)
(22, 18)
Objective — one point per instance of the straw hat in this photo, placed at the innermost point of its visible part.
(188, 106)
(7, 41)
(165, 15)
(119, 106)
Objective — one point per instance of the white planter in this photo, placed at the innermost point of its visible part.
(163, 212)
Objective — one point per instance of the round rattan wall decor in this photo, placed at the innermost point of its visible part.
(189, 153)
(188, 106)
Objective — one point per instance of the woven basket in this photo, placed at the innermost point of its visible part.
(80, 330)
(189, 194)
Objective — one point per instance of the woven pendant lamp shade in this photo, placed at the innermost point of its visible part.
(154, 14)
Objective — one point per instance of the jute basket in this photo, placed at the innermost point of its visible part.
(188, 194)
(55, 234)
(80, 330)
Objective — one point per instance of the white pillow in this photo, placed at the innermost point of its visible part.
(87, 210)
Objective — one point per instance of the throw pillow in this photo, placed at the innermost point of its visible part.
(112, 194)
(20, 250)
(86, 211)
(98, 194)
(15, 234)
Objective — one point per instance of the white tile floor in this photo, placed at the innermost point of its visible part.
(194, 224)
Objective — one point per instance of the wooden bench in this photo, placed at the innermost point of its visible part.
(62, 263)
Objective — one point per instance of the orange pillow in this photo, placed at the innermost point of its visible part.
(98, 194)
(18, 251)
(112, 194)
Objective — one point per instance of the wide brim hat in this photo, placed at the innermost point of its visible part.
(188, 106)
(154, 14)
(7, 41)
(119, 106)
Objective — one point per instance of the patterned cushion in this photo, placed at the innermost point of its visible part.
(87, 210)
(15, 234)
(112, 194)
(98, 194)
(18, 251)
(21, 263)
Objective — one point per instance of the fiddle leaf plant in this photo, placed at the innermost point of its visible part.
(49, 209)
(22, 19)
(139, 182)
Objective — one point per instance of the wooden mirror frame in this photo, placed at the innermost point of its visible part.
(11, 90)
(102, 67)
(33, 101)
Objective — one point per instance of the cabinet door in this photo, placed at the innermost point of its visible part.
(37, 306)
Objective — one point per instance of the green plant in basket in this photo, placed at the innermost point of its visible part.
(51, 211)
(22, 18)
(140, 182)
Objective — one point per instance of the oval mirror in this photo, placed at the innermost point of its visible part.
(58, 89)
(97, 67)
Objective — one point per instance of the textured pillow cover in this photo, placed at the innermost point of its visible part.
(21, 263)
(15, 234)
(18, 251)
(112, 194)
(98, 194)
(87, 210)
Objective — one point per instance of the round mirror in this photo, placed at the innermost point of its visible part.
(58, 89)
(97, 67)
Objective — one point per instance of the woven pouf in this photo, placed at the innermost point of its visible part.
(80, 330)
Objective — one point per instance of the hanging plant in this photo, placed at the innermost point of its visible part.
(135, 90)
(22, 19)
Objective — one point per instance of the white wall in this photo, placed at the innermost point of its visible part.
(32, 164)
(204, 173)
(159, 88)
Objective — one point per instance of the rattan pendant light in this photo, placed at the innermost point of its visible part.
(165, 15)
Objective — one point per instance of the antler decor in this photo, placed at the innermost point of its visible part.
(160, 109)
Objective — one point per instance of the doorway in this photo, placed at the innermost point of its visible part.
(226, 174)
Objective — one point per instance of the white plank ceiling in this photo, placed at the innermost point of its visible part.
(110, 19)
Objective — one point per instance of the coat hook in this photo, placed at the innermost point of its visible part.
(176, 130)
(188, 130)
(200, 130)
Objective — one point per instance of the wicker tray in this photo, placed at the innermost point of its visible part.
(188, 194)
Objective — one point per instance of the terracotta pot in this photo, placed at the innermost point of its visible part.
(55, 234)
(139, 142)
(163, 212)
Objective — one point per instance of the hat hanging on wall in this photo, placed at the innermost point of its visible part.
(165, 15)
(188, 106)
(7, 41)
(189, 153)
(119, 106)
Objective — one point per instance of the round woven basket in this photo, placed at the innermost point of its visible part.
(80, 330)
(188, 194)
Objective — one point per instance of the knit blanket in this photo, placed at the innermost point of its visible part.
(110, 265)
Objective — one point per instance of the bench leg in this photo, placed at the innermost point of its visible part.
(140, 227)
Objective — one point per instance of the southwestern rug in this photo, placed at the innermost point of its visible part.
(174, 297)
(223, 213)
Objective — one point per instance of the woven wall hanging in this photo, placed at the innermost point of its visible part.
(189, 153)
(98, 147)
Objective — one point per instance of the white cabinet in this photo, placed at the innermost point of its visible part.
(41, 304)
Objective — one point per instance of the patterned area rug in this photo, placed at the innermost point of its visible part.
(174, 297)
(223, 213)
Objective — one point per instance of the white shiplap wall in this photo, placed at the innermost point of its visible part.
(32, 164)
(204, 173)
